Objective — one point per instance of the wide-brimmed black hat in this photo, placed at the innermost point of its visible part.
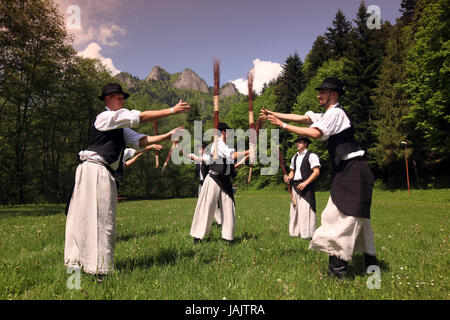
(112, 88)
(332, 84)
(303, 138)
(222, 126)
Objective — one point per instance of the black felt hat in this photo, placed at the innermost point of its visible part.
(112, 88)
(333, 84)
(303, 138)
(222, 126)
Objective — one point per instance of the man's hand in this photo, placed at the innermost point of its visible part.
(302, 186)
(274, 120)
(173, 131)
(181, 107)
(155, 146)
(263, 113)
(286, 179)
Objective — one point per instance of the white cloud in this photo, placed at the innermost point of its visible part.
(264, 72)
(93, 51)
(108, 34)
(95, 21)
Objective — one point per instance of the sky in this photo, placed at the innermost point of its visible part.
(135, 35)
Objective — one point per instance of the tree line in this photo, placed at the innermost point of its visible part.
(396, 90)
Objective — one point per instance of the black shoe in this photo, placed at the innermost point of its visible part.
(197, 240)
(370, 260)
(337, 267)
(228, 242)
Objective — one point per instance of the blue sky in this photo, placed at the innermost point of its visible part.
(135, 35)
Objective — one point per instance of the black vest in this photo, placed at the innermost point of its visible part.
(221, 166)
(342, 143)
(110, 145)
(224, 181)
(307, 193)
(305, 167)
(204, 170)
(351, 180)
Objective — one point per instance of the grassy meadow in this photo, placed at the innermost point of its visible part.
(155, 258)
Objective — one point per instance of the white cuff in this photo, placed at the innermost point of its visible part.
(135, 118)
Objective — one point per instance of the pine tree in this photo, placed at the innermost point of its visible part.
(337, 37)
(390, 108)
(408, 9)
(428, 85)
(290, 84)
(361, 68)
(320, 52)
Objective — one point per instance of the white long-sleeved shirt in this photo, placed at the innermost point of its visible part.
(225, 152)
(313, 163)
(110, 120)
(332, 122)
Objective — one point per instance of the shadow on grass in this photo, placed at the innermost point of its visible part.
(145, 233)
(357, 266)
(34, 210)
(165, 256)
(245, 237)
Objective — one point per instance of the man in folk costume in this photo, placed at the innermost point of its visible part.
(202, 164)
(305, 168)
(218, 190)
(345, 223)
(91, 219)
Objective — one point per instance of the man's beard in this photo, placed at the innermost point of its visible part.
(325, 104)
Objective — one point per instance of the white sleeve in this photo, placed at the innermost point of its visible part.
(132, 138)
(122, 118)
(292, 163)
(128, 153)
(332, 122)
(314, 117)
(225, 151)
(314, 160)
(207, 159)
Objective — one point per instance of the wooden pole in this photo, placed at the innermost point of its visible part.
(407, 172)
(216, 65)
(251, 124)
(155, 132)
(283, 168)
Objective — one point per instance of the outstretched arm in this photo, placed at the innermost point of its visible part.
(313, 133)
(150, 115)
(236, 154)
(146, 140)
(241, 162)
(291, 117)
(152, 146)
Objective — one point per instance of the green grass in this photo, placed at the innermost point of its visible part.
(155, 257)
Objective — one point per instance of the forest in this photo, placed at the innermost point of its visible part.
(396, 82)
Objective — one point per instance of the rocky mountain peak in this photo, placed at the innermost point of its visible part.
(229, 89)
(158, 74)
(189, 80)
